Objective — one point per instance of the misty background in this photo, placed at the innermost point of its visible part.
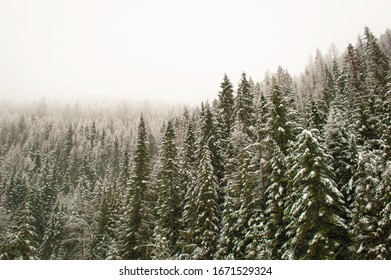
(172, 51)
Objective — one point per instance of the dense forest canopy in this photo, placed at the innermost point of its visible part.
(286, 168)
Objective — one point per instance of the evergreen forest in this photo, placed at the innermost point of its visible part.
(284, 168)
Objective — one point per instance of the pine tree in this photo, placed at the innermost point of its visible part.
(365, 207)
(124, 175)
(82, 210)
(15, 191)
(21, 242)
(279, 126)
(44, 191)
(262, 135)
(354, 71)
(328, 89)
(84, 191)
(363, 96)
(207, 211)
(240, 200)
(342, 102)
(49, 187)
(102, 234)
(337, 142)
(55, 232)
(35, 155)
(275, 226)
(208, 134)
(279, 135)
(186, 241)
(189, 156)
(68, 142)
(378, 64)
(160, 245)
(244, 107)
(317, 227)
(116, 154)
(226, 109)
(262, 118)
(249, 200)
(137, 232)
(257, 249)
(230, 235)
(317, 114)
(386, 123)
(383, 249)
(170, 190)
(107, 222)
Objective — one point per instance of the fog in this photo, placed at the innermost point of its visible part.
(171, 51)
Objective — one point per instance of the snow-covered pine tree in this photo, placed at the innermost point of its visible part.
(328, 91)
(316, 117)
(317, 228)
(188, 160)
(226, 116)
(354, 71)
(68, 142)
(160, 245)
(207, 211)
(124, 174)
(15, 190)
(137, 232)
(365, 207)
(82, 208)
(275, 196)
(170, 190)
(55, 232)
(377, 81)
(386, 123)
(43, 196)
(250, 203)
(378, 65)
(84, 191)
(362, 96)
(257, 249)
(262, 115)
(102, 234)
(21, 241)
(279, 134)
(208, 134)
(383, 249)
(115, 164)
(337, 142)
(36, 157)
(244, 105)
(279, 125)
(237, 178)
(186, 242)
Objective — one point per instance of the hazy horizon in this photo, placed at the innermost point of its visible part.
(171, 51)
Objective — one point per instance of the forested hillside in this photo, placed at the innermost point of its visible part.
(285, 168)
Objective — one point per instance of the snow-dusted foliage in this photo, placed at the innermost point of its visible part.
(285, 168)
(317, 227)
(207, 226)
(170, 190)
(241, 194)
(366, 207)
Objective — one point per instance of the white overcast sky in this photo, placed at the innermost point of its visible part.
(171, 50)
